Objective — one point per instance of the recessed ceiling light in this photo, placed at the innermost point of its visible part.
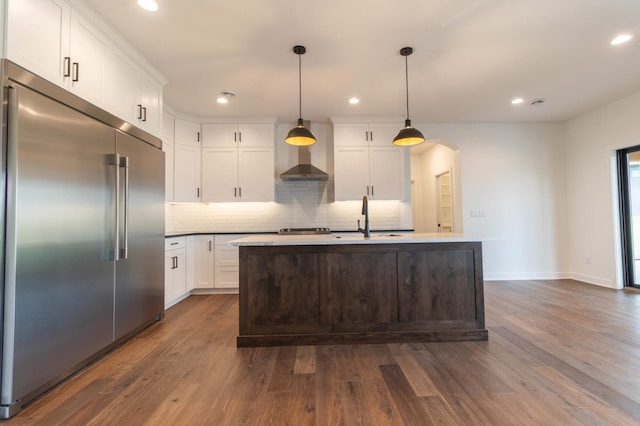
(517, 101)
(354, 101)
(149, 5)
(623, 38)
(225, 96)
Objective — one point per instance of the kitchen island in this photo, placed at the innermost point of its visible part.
(332, 289)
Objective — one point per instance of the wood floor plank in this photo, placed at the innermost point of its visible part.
(559, 352)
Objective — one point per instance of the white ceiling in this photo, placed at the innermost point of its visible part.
(471, 57)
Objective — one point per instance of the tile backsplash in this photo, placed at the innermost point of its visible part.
(297, 205)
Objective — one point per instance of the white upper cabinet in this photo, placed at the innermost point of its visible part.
(168, 127)
(365, 134)
(238, 162)
(238, 135)
(367, 163)
(187, 133)
(186, 161)
(53, 39)
(44, 51)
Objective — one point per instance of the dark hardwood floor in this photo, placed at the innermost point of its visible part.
(559, 353)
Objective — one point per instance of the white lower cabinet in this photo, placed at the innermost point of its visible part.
(175, 270)
(200, 264)
(204, 262)
(227, 262)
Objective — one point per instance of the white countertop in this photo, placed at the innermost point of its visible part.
(353, 238)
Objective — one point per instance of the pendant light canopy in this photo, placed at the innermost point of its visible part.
(300, 135)
(408, 136)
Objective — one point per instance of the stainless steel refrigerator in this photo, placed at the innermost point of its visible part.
(83, 237)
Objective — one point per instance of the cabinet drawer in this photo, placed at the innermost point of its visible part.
(175, 243)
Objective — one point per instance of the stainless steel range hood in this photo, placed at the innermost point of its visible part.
(304, 170)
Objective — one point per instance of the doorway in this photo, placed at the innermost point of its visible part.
(444, 199)
(629, 196)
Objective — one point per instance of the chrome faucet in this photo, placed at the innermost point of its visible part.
(365, 211)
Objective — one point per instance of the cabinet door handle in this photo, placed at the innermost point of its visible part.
(76, 72)
(198, 192)
(139, 112)
(235, 136)
(373, 194)
(209, 245)
(235, 191)
(367, 189)
(144, 113)
(239, 136)
(240, 192)
(371, 136)
(366, 136)
(198, 137)
(176, 262)
(67, 67)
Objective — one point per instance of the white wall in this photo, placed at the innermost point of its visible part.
(515, 174)
(591, 140)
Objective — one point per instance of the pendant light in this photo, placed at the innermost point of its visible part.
(300, 135)
(408, 136)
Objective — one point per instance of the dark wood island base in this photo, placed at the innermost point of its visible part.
(360, 293)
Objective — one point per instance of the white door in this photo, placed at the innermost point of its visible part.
(204, 261)
(220, 135)
(38, 37)
(256, 174)
(186, 176)
(387, 173)
(89, 49)
(151, 103)
(254, 135)
(219, 174)
(168, 170)
(350, 134)
(445, 206)
(351, 168)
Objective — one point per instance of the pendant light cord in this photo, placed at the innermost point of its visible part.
(300, 86)
(406, 79)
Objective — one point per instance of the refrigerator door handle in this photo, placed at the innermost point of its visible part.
(124, 250)
(114, 253)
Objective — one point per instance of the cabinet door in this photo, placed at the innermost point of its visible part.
(190, 263)
(38, 37)
(89, 49)
(175, 275)
(168, 170)
(187, 133)
(351, 134)
(168, 128)
(256, 174)
(256, 135)
(220, 135)
(359, 290)
(151, 104)
(388, 173)
(440, 274)
(186, 177)
(351, 168)
(219, 174)
(204, 261)
(382, 134)
(122, 94)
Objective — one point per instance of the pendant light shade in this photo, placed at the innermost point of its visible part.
(300, 135)
(407, 136)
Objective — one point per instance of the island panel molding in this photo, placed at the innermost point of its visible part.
(360, 293)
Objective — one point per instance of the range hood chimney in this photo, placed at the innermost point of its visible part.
(304, 170)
